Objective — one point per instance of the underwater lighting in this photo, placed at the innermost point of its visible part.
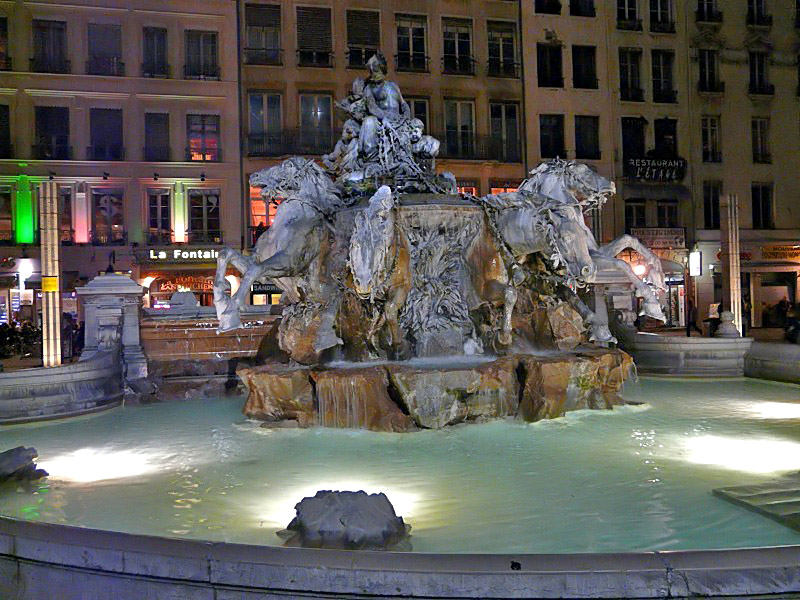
(88, 465)
(758, 455)
(775, 410)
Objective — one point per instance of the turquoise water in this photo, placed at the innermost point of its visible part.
(635, 478)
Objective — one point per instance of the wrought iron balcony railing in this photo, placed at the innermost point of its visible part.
(205, 237)
(631, 94)
(155, 70)
(357, 56)
(462, 145)
(105, 152)
(201, 71)
(159, 237)
(761, 89)
(503, 68)
(706, 14)
(629, 24)
(758, 19)
(411, 61)
(551, 82)
(662, 26)
(113, 237)
(263, 56)
(665, 96)
(291, 141)
(105, 65)
(156, 153)
(762, 158)
(202, 153)
(711, 87)
(586, 83)
(314, 58)
(458, 65)
(47, 151)
(45, 64)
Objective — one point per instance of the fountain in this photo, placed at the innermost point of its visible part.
(410, 305)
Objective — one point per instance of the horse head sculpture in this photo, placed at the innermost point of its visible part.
(298, 178)
(566, 181)
(370, 243)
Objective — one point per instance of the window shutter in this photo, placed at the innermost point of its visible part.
(363, 28)
(314, 28)
(263, 15)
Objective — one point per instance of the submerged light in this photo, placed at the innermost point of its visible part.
(88, 465)
(757, 455)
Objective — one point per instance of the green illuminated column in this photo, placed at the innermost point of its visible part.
(24, 214)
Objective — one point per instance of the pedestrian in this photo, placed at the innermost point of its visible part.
(691, 319)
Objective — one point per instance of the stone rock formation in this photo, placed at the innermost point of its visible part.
(18, 464)
(279, 392)
(347, 520)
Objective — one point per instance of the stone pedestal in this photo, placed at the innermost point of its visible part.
(111, 306)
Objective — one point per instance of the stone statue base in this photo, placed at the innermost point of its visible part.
(407, 395)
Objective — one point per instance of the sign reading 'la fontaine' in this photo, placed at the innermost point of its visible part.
(178, 255)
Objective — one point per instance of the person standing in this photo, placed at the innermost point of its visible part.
(691, 318)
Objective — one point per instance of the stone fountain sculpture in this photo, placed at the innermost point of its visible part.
(380, 259)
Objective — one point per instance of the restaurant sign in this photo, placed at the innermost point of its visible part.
(191, 283)
(661, 237)
(177, 255)
(782, 252)
(656, 169)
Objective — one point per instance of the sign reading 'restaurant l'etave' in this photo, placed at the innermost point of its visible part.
(655, 169)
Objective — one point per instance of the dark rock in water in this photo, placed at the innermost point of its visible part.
(18, 463)
(347, 520)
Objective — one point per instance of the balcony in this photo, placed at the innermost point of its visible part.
(263, 56)
(629, 24)
(115, 237)
(48, 64)
(205, 237)
(711, 87)
(630, 94)
(762, 158)
(712, 156)
(291, 141)
(586, 83)
(662, 26)
(357, 56)
(158, 237)
(761, 88)
(48, 151)
(105, 65)
(155, 70)
(6, 150)
(315, 58)
(6, 64)
(105, 152)
(458, 65)
(204, 72)
(665, 96)
(550, 82)
(758, 19)
(588, 154)
(503, 68)
(548, 7)
(202, 153)
(468, 146)
(156, 154)
(582, 8)
(411, 62)
(707, 14)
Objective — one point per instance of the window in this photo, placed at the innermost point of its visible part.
(363, 36)
(629, 74)
(316, 136)
(551, 136)
(419, 110)
(502, 188)
(202, 132)
(628, 15)
(264, 124)
(52, 133)
(584, 67)
(262, 214)
(633, 132)
(49, 47)
(5, 132)
(760, 136)
(708, 61)
(761, 194)
(156, 137)
(635, 213)
(314, 41)
(204, 216)
(159, 228)
(548, 7)
(459, 121)
(661, 20)
(667, 213)
(666, 138)
(457, 40)
(711, 194)
(468, 186)
(548, 65)
(65, 215)
(582, 8)
(201, 55)
(757, 13)
(411, 44)
(106, 134)
(263, 33)
(707, 12)
(504, 131)
(709, 129)
(155, 61)
(759, 81)
(105, 50)
(502, 49)
(6, 220)
(587, 137)
(5, 59)
(663, 91)
(107, 222)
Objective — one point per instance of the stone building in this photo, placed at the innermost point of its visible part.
(131, 108)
